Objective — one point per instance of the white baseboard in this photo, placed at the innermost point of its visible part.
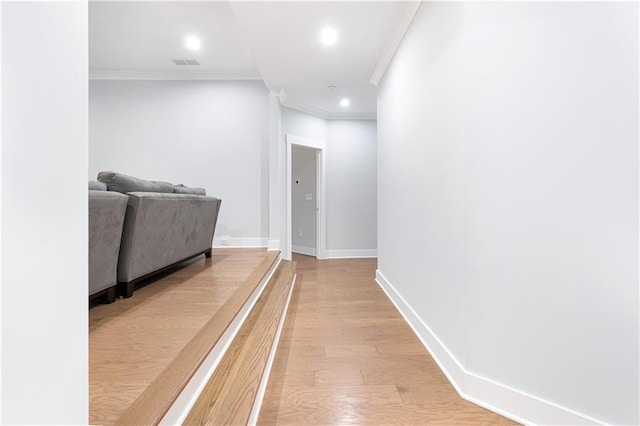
(303, 250)
(189, 395)
(352, 254)
(504, 400)
(239, 242)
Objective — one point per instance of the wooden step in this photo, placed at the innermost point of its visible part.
(156, 400)
(230, 396)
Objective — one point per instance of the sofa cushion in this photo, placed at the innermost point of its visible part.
(123, 183)
(97, 186)
(153, 237)
(181, 189)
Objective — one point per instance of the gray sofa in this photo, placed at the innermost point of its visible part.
(106, 219)
(164, 225)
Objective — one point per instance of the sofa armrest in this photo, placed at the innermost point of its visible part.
(106, 219)
(162, 229)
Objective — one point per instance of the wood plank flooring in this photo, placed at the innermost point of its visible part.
(132, 341)
(346, 356)
(230, 394)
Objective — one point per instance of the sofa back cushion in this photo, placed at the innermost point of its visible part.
(181, 189)
(123, 183)
(97, 186)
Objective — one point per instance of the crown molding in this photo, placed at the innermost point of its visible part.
(320, 113)
(353, 116)
(233, 75)
(191, 74)
(408, 12)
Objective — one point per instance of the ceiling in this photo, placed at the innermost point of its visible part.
(278, 42)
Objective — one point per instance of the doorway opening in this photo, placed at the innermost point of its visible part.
(305, 197)
(303, 200)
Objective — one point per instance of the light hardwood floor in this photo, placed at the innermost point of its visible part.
(346, 356)
(133, 341)
(228, 397)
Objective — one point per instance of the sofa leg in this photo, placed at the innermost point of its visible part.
(111, 294)
(129, 291)
(207, 254)
(125, 289)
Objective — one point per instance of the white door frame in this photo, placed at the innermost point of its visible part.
(321, 232)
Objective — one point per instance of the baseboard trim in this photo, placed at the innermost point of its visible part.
(352, 254)
(189, 395)
(262, 388)
(509, 402)
(304, 250)
(273, 245)
(223, 242)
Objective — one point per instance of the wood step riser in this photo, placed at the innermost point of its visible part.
(230, 395)
(157, 399)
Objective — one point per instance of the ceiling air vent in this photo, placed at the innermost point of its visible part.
(185, 62)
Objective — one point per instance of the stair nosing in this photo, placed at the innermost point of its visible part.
(157, 398)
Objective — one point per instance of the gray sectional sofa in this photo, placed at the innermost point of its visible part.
(106, 219)
(164, 225)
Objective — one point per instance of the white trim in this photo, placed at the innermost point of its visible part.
(321, 204)
(308, 251)
(326, 115)
(638, 177)
(240, 242)
(307, 109)
(307, 142)
(408, 12)
(321, 216)
(1, 222)
(353, 116)
(276, 176)
(352, 254)
(257, 404)
(183, 74)
(509, 402)
(189, 395)
(273, 245)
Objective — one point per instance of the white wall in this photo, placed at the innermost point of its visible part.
(305, 125)
(350, 179)
(351, 188)
(44, 213)
(277, 194)
(212, 134)
(508, 201)
(303, 210)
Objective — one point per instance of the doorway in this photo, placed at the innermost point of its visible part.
(305, 197)
(303, 200)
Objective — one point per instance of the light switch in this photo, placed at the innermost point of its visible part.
(308, 196)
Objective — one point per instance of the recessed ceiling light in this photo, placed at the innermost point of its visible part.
(345, 103)
(193, 43)
(328, 36)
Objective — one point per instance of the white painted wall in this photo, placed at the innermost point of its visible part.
(277, 195)
(303, 210)
(308, 126)
(351, 179)
(44, 213)
(508, 199)
(212, 134)
(351, 188)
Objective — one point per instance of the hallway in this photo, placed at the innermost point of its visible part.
(346, 356)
